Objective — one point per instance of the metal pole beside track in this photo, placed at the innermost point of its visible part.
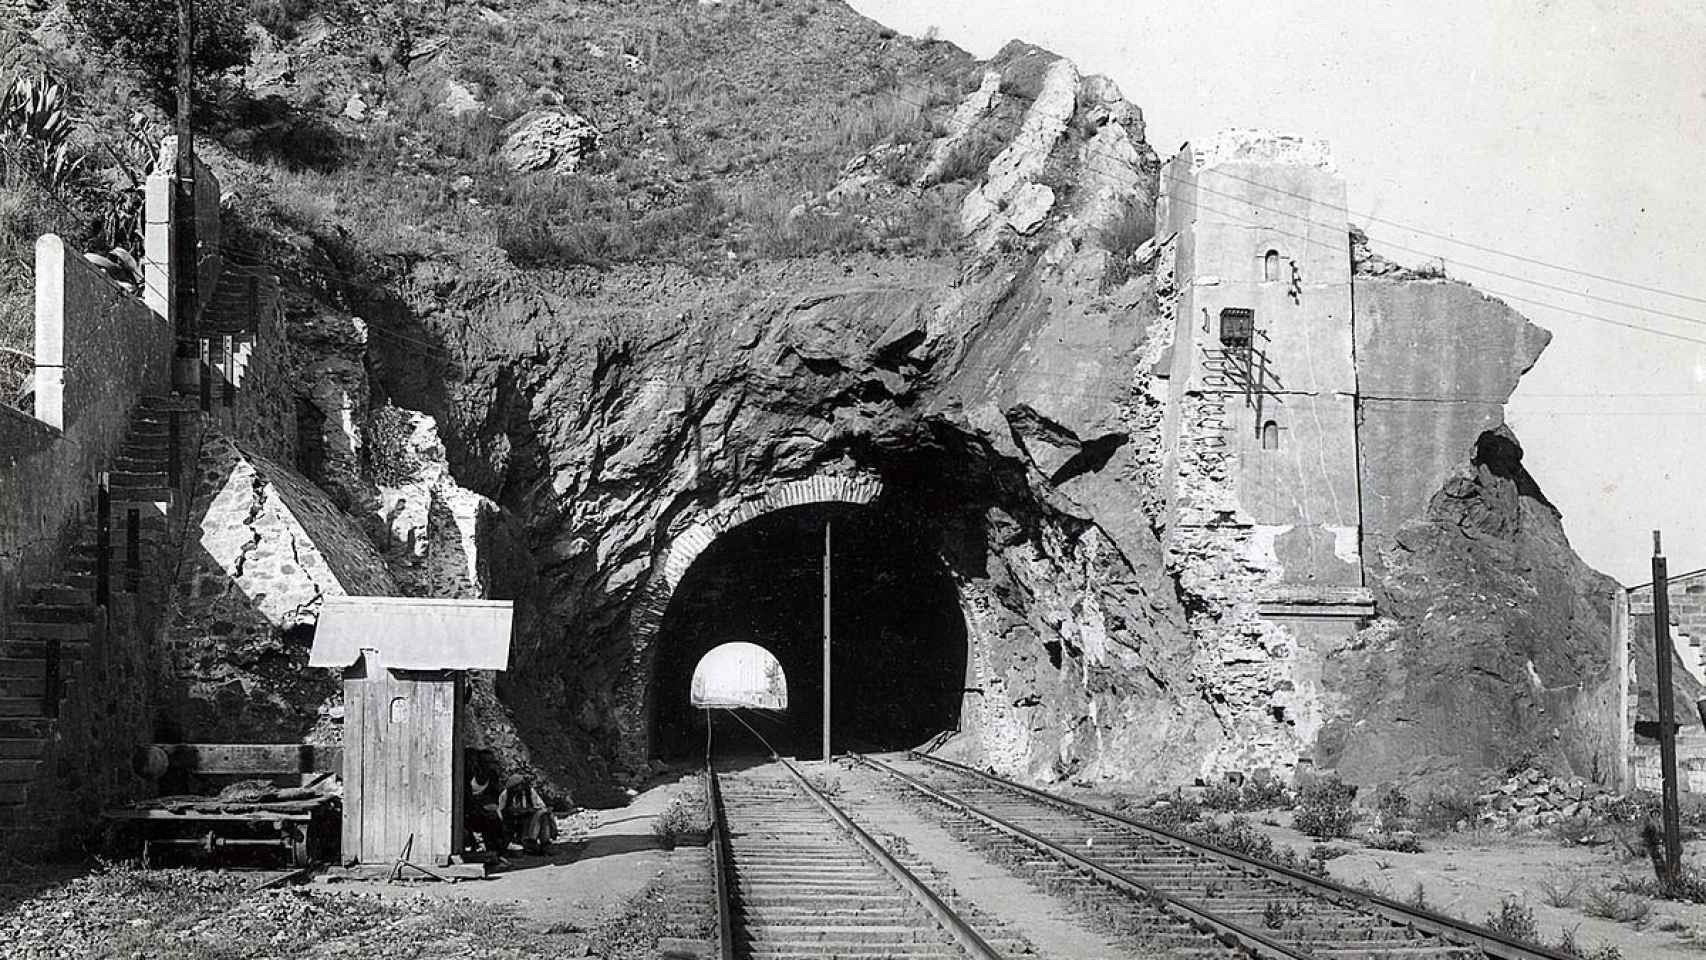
(827, 534)
(1667, 713)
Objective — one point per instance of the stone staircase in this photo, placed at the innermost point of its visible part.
(56, 620)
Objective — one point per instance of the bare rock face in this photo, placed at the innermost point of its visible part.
(596, 443)
(1494, 641)
(266, 548)
(993, 409)
(548, 140)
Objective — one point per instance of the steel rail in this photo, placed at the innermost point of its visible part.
(1459, 932)
(720, 860)
(1227, 931)
(969, 939)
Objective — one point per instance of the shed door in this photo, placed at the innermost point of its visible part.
(400, 729)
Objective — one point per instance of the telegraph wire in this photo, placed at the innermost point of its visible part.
(1398, 246)
(1465, 243)
(1477, 287)
(1012, 127)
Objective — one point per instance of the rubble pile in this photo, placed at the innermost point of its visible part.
(1532, 799)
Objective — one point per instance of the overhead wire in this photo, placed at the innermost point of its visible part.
(1448, 238)
(1481, 269)
(1011, 126)
(1502, 294)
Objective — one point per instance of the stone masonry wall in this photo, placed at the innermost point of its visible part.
(1687, 598)
(98, 351)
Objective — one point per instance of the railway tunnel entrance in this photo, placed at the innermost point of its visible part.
(899, 649)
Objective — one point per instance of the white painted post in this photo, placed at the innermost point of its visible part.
(50, 331)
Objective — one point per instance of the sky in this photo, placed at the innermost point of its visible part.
(1568, 132)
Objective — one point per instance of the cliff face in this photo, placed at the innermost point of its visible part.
(583, 301)
(1494, 640)
(991, 398)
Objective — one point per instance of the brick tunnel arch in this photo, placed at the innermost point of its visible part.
(901, 641)
(646, 621)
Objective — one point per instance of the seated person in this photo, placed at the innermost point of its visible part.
(480, 810)
(525, 815)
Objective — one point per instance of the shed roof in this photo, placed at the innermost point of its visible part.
(414, 634)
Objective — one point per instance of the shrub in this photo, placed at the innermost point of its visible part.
(1392, 806)
(1237, 835)
(1266, 793)
(1250, 795)
(1179, 811)
(1560, 894)
(1325, 808)
(1122, 236)
(1568, 946)
(144, 33)
(677, 821)
(1442, 810)
(1617, 905)
(1224, 795)
(1396, 841)
(1514, 920)
(1690, 887)
(1275, 914)
(970, 158)
(36, 119)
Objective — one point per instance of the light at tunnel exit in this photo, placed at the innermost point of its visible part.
(740, 675)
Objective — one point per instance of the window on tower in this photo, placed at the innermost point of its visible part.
(1271, 265)
(1270, 436)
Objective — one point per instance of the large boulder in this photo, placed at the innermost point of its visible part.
(548, 140)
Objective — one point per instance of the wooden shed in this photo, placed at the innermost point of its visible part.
(404, 662)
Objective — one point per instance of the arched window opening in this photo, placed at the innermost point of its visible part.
(1270, 435)
(740, 675)
(1271, 265)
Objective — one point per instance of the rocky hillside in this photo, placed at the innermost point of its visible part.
(591, 275)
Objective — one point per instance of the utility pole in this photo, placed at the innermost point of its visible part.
(1667, 713)
(184, 222)
(827, 525)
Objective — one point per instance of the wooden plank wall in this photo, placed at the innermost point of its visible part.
(402, 763)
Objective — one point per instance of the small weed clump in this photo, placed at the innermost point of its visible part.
(1250, 795)
(1239, 836)
(970, 158)
(1419, 897)
(1275, 914)
(680, 820)
(1565, 893)
(1568, 946)
(1396, 841)
(1514, 919)
(1617, 905)
(1690, 887)
(1176, 812)
(1325, 808)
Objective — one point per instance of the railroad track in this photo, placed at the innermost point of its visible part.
(797, 878)
(1182, 895)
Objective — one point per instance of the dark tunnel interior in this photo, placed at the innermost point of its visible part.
(898, 659)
